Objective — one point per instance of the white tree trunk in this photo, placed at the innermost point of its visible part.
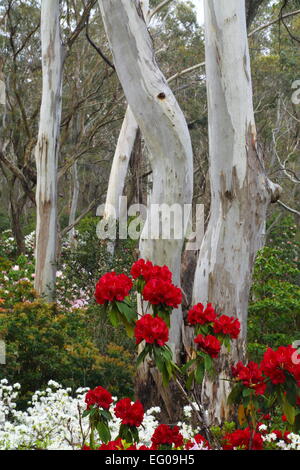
(240, 190)
(121, 158)
(47, 150)
(119, 170)
(164, 129)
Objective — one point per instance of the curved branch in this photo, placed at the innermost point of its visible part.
(280, 18)
(293, 211)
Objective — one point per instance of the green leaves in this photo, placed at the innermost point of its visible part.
(103, 431)
(163, 360)
(235, 395)
(288, 409)
(162, 357)
(122, 313)
(99, 419)
(129, 434)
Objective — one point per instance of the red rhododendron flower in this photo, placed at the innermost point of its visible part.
(227, 326)
(209, 344)
(148, 271)
(165, 435)
(98, 396)
(275, 364)
(111, 287)
(278, 434)
(251, 376)
(112, 445)
(286, 438)
(152, 330)
(131, 414)
(200, 315)
(158, 291)
(141, 268)
(241, 439)
(198, 439)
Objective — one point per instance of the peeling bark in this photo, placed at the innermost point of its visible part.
(47, 150)
(240, 190)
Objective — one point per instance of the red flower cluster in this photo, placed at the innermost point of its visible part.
(198, 439)
(158, 291)
(198, 315)
(131, 414)
(112, 445)
(251, 376)
(227, 326)
(152, 330)
(165, 435)
(148, 271)
(276, 364)
(98, 396)
(111, 287)
(201, 316)
(242, 438)
(209, 344)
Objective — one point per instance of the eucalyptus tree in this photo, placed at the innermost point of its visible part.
(240, 189)
(167, 138)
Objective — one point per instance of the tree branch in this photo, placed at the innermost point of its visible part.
(79, 218)
(293, 211)
(158, 8)
(84, 18)
(185, 71)
(103, 56)
(280, 18)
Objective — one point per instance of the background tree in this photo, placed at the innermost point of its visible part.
(240, 189)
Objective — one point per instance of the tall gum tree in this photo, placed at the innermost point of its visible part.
(240, 189)
(167, 138)
(47, 149)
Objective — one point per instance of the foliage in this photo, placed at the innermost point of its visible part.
(68, 341)
(274, 310)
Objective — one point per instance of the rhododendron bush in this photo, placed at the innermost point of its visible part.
(272, 385)
(264, 398)
(53, 420)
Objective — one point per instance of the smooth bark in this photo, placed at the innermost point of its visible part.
(166, 136)
(240, 190)
(47, 149)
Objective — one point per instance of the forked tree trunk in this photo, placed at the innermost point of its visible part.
(122, 155)
(166, 135)
(240, 190)
(47, 150)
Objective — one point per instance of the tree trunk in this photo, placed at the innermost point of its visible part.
(119, 170)
(74, 204)
(240, 190)
(166, 135)
(16, 207)
(47, 150)
(124, 149)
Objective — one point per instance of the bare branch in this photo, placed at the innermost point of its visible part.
(84, 18)
(185, 71)
(293, 211)
(158, 8)
(79, 218)
(280, 18)
(103, 56)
